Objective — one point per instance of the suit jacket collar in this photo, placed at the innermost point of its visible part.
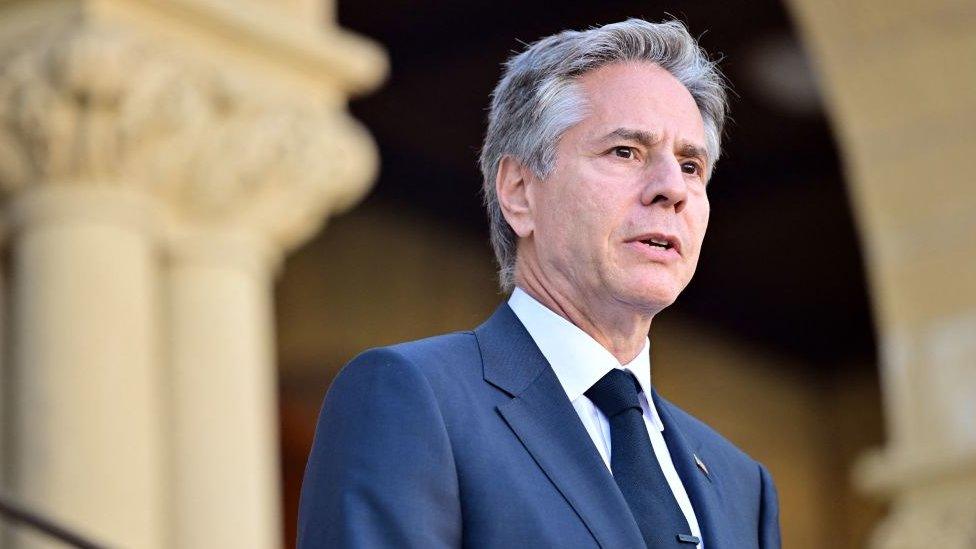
(578, 360)
(702, 488)
(546, 423)
(544, 420)
(511, 360)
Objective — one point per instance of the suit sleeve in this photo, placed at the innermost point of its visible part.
(381, 472)
(769, 535)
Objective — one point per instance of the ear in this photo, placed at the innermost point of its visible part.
(511, 186)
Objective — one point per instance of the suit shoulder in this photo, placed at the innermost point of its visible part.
(446, 355)
(430, 356)
(437, 348)
(410, 376)
(405, 374)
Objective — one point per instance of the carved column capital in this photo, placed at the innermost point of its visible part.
(276, 172)
(88, 105)
(216, 132)
(96, 105)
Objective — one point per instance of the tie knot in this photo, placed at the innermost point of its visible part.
(615, 392)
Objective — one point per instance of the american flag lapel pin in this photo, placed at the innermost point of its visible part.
(701, 465)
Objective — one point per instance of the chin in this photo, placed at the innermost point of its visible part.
(651, 298)
(659, 302)
(658, 280)
(647, 290)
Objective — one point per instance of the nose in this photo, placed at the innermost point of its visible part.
(666, 185)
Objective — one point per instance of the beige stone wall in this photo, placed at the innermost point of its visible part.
(899, 81)
(157, 160)
(807, 427)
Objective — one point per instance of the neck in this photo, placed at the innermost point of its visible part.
(620, 330)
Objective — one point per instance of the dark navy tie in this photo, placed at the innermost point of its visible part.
(635, 468)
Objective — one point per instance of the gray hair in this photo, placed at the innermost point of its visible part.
(538, 99)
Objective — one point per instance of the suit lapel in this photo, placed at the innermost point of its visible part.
(701, 487)
(546, 423)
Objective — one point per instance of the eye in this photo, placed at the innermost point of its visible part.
(624, 152)
(691, 168)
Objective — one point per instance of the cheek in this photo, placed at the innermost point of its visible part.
(593, 219)
(700, 218)
(556, 233)
(581, 209)
(697, 222)
(577, 212)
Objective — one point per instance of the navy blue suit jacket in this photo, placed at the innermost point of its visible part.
(468, 439)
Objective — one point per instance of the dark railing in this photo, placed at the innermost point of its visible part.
(18, 514)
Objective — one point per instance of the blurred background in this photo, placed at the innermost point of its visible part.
(210, 207)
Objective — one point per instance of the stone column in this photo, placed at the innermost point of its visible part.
(224, 387)
(157, 160)
(86, 441)
(223, 253)
(5, 429)
(898, 84)
(85, 362)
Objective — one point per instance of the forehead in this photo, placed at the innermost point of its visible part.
(642, 96)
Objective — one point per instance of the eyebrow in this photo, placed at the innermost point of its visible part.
(694, 151)
(647, 139)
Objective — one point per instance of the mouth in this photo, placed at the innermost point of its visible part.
(660, 241)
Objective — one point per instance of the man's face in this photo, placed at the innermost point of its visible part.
(629, 177)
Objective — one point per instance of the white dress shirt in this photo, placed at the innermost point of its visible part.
(579, 362)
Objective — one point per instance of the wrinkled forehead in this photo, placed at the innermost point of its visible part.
(642, 96)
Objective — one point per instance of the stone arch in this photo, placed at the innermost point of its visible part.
(900, 100)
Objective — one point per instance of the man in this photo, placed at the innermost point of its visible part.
(540, 428)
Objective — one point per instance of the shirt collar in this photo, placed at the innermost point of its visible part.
(576, 358)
